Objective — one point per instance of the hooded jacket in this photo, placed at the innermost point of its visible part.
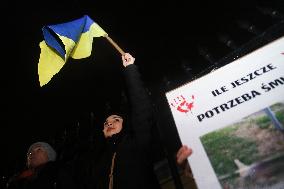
(133, 163)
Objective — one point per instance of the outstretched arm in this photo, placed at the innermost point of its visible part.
(141, 109)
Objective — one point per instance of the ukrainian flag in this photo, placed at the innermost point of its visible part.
(61, 41)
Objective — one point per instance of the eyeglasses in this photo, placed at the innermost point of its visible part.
(35, 151)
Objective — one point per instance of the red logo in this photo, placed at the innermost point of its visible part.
(183, 105)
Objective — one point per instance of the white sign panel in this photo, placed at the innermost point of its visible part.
(233, 120)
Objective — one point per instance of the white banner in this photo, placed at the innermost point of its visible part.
(233, 120)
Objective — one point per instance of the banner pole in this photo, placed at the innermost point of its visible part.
(114, 44)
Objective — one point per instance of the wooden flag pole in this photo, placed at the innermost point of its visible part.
(114, 44)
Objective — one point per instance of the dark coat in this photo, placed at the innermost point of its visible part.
(133, 168)
(48, 176)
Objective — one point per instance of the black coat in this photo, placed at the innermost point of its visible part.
(133, 168)
(48, 176)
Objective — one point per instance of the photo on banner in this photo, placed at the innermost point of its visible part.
(233, 119)
(249, 153)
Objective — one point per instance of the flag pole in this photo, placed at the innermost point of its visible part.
(114, 44)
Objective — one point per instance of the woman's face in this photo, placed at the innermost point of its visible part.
(112, 125)
(36, 157)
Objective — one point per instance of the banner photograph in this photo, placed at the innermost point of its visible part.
(233, 119)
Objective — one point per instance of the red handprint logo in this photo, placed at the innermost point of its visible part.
(182, 105)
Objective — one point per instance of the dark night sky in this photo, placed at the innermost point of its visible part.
(158, 33)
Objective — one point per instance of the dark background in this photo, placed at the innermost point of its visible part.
(173, 42)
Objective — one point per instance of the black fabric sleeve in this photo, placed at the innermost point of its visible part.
(140, 106)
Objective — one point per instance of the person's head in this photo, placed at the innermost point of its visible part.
(112, 125)
(40, 153)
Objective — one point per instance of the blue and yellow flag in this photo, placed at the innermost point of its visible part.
(61, 41)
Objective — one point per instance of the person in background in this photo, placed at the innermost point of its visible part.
(42, 170)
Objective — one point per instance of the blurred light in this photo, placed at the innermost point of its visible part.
(166, 82)
(271, 12)
(203, 51)
(227, 40)
(248, 27)
(185, 67)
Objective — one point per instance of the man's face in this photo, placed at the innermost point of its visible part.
(112, 125)
(36, 157)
